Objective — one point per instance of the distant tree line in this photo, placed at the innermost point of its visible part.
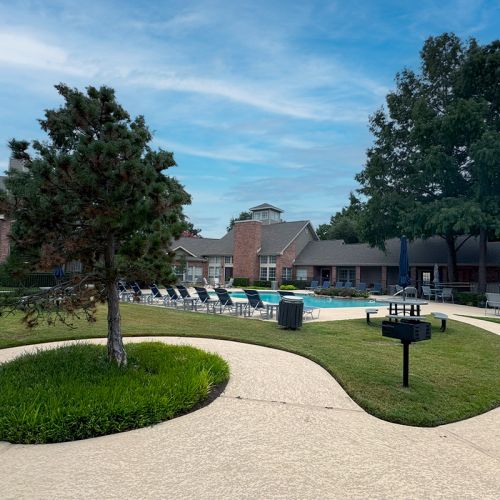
(434, 167)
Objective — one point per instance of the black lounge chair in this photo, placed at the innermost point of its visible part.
(156, 295)
(185, 293)
(225, 301)
(173, 297)
(124, 293)
(255, 303)
(205, 298)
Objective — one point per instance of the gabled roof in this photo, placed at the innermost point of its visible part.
(263, 206)
(278, 236)
(420, 252)
(275, 239)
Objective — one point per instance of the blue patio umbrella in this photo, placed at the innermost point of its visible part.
(404, 267)
(58, 272)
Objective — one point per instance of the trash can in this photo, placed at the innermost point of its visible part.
(274, 285)
(290, 312)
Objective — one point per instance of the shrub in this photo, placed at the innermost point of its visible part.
(262, 284)
(241, 282)
(74, 392)
(288, 287)
(298, 284)
(471, 299)
(342, 292)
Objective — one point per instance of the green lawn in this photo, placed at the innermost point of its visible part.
(73, 392)
(484, 318)
(454, 376)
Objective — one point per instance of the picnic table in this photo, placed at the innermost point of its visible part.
(404, 308)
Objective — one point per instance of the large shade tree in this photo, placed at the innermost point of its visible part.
(94, 192)
(433, 148)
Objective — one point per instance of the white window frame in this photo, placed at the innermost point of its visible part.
(301, 274)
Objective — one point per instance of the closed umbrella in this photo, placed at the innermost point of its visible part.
(436, 275)
(404, 267)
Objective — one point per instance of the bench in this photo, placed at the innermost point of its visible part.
(443, 317)
(368, 312)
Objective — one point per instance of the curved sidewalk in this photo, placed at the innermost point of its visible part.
(283, 428)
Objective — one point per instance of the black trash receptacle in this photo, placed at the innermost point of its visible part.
(290, 312)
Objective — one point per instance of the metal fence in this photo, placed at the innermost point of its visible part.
(32, 280)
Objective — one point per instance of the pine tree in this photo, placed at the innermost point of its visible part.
(95, 192)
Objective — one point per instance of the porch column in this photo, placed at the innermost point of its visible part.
(383, 277)
(413, 275)
(358, 275)
(333, 278)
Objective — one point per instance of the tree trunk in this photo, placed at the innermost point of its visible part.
(116, 351)
(483, 245)
(452, 259)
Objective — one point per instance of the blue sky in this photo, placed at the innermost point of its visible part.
(261, 101)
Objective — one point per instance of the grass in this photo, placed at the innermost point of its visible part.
(453, 376)
(74, 392)
(483, 318)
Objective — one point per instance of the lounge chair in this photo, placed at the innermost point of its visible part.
(205, 298)
(348, 284)
(314, 285)
(339, 284)
(124, 293)
(229, 284)
(377, 289)
(492, 300)
(143, 297)
(361, 287)
(156, 295)
(225, 301)
(206, 284)
(326, 284)
(187, 297)
(255, 303)
(173, 297)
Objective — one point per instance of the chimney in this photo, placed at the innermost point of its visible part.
(247, 242)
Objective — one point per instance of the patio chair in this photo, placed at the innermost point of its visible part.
(492, 300)
(326, 284)
(186, 296)
(156, 295)
(427, 293)
(229, 284)
(255, 303)
(377, 289)
(173, 297)
(205, 298)
(143, 297)
(339, 284)
(124, 293)
(206, 284)
(361, 287)
(225, 301)
(313, 286)
(447, 294)
(348, 284)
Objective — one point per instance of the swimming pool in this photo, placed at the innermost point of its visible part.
(312, 300)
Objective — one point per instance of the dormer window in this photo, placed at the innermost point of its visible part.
(266, 213)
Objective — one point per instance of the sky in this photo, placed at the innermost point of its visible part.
(260, 101)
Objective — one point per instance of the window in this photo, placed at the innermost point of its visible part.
(272, 273)
(228, 260)
(194, 274)
(426, 277)
(263, 259)
(346, 274)
(212, 261)
(286, 273)
(302, 274)
(272, 259)
(265, 215)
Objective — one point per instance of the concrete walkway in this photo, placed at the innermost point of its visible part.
(283, 428)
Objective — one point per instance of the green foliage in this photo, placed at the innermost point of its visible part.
(434, 168)
(262, 284)
(470, 299)
(241, 282)
(344, 225)
(242, 216)
(342, 292)
(298, 284)
(73, 392)
(288, 287)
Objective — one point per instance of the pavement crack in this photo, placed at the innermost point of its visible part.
(473, 445)
(287, 403)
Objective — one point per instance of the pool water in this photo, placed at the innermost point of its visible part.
(312, 300)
